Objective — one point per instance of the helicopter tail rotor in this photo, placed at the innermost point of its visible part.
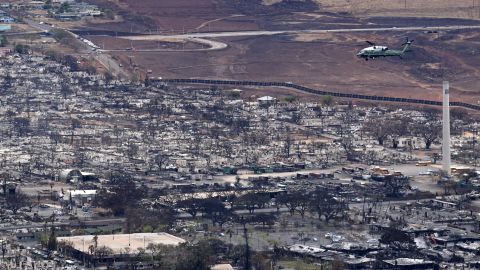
(408, 42)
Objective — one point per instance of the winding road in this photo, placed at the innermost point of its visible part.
(204, 37)
(211, 45)
(311, 31)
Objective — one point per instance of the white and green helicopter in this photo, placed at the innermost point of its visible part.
(375, 51)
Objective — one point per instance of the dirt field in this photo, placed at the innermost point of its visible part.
(325, 61)
(231, 15)
(329, 62)
(465, 9)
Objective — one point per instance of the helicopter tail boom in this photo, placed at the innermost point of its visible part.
(407, 45)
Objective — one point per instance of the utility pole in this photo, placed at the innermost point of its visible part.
(4, 250)
(247, 248)
(28, 102)
(474, 141)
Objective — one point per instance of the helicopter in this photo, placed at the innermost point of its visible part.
(375, 51)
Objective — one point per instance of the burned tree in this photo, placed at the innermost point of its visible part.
(216, 211)
(121, 194)
(16, 200)
(291, 200)
(399, 126)
(349, 147)
(429, 127)
(251, 201)
(325, 204)
(430, 132)
(395, 238)
(21, 125)
(190, 205)
(378, 128)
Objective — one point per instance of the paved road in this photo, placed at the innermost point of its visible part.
(210, 45)
(39, 26)
(313, 31)
(105, 60)
(67, 223)
(216, 45)
(23, 33)
(110, 64)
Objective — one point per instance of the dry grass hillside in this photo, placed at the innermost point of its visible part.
(464, 9)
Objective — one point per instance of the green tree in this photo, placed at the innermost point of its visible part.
(64, 7)
(22, 49)
(327, 100)
(147, 229)
(290, 98)
(52, 240)
(3, 41)
(196, 257)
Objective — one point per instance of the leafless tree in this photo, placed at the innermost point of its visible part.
(430, 132)
(399, 127)
(252, 200)
(288, 142)
(323, 203)
(190, 205)
(16, 201)
(161, 159)
(349, 147)
(65, 90)
(21, 125)
(291, 200)
(378, 128)
(132, 149)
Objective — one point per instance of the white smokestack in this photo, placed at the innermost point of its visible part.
(446, 128)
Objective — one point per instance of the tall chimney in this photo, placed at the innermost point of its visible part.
(446, 128)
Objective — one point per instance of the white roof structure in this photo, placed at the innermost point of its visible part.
(305, 249)
(82, 193)
(266, 98)
(222, 267)
(407, 261)
(122, 243)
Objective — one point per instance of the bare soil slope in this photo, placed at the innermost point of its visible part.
(329, 62)
(464, 9)
(323, 61)
(230, 15)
